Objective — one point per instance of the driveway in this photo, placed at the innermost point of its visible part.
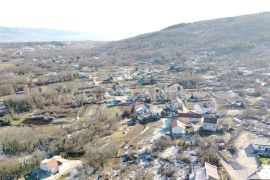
(246, 162)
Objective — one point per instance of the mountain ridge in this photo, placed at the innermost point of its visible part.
(222, 38)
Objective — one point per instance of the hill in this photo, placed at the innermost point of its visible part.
(39, 35)
(243, 37)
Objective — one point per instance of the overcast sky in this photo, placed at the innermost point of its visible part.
(116, 19)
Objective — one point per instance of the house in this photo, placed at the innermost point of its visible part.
(158, 94)
(189, 84)
(210, 124)
(108, 80)
(3, 110)
(19, 90)
(120, 89)
(174, 68)
(194, 98)
(120, 101)
(99, 94)
(156, 111)
(261, 145)
(209, 172)
(52, 77)
(60, 61)
(146, 80)
(140, 109)
(175, 105)
(192, 117)
(174, 91)
(167, 123)
(178, 128)
(83, 76)
(119, 78)
(77, 67)
(236, 105)
(112, 103)
(127, 77)
(50, 166)
(142, 97)
(204, 108)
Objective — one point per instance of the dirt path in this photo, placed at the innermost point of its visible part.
(134, 133)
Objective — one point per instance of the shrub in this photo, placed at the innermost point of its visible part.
(12, 168)
(98, 156)
(18, 105)
(210, 157)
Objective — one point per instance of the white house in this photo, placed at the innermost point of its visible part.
(210, 124)
(203, 108)
(261, 145)
(178, 128)
(49, 165)
(175, 105)
(167, 123)
(156, 111)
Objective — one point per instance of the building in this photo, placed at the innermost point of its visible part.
(204, 108)
(209, 172)
(210, 124)
(3, 110)
(140, 108)
(120, 89)
(178, 128)
(194, 98)
(261, 145)
(50, 166)
(156, 111)
(167, 123)
(191, 117)
(175, 105)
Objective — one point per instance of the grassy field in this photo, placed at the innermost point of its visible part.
(117, 135)
(69, 85)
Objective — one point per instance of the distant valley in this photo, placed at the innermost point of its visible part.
(8, 34)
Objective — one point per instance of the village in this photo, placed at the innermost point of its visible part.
(172, 121)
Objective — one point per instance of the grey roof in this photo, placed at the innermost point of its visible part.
(206, 172)
(210, 120)
(263, 141)
(211, 171)
(200, 174)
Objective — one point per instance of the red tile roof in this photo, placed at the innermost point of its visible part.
(52, 163)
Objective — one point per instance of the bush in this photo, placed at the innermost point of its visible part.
(210, 157)
(162, 143)
(5, 90)
(98, 156)
(18, 105)
(17, 140)
(12, 169)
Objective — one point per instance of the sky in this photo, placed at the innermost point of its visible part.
(118, 19)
